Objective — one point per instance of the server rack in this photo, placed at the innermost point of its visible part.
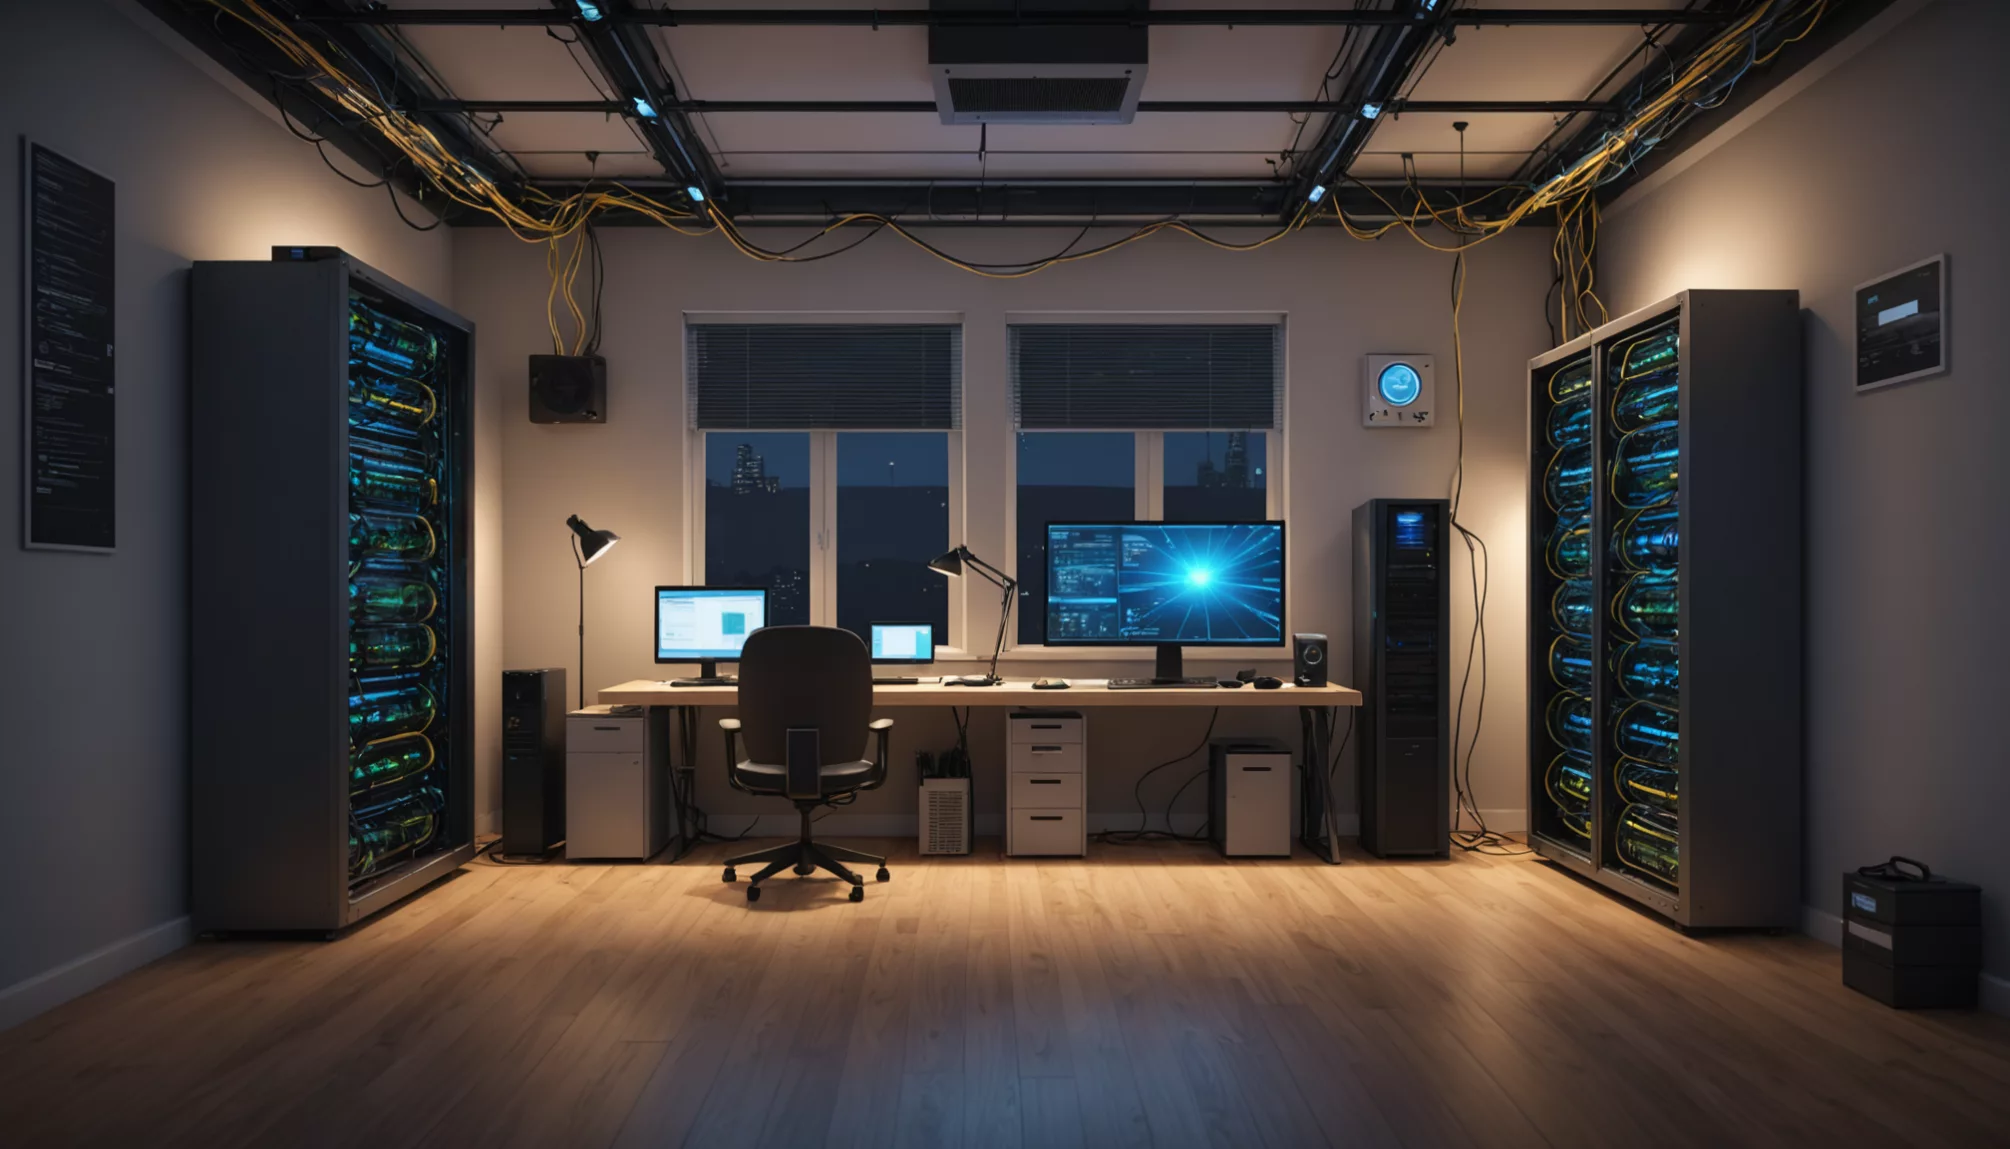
(332, 708)
(1664, 607)
(1402, 665)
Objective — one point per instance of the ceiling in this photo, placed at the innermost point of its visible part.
(768, 63)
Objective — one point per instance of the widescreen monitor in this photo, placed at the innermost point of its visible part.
(1165, 584)
(707, 624)
(903, 642)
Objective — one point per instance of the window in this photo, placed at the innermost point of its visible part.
(757, 517)
(829, 453)
(892, 518)
(1089, 476)
(1172, 421)
(1216, 477)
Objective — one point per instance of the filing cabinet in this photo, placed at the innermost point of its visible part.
(1045, 812)
(616, 783)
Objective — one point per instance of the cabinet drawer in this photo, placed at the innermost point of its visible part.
(1045, 832)
(606, 806)
(1045, 791)
(598, 734)
(1046, 758)
(1033, 728)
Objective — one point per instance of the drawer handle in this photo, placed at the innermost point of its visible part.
(1043, 781)
(1256, 769)
(615, 729)
(1046, 817)
(1048, 749)
(1044, 725)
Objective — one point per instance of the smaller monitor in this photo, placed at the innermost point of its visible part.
(707, 624)
(903, 642)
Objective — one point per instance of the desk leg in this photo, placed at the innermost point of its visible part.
(1316, 809)
(684, 778)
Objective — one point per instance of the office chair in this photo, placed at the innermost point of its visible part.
(805, 701)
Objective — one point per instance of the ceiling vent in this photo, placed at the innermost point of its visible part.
(1008, 73)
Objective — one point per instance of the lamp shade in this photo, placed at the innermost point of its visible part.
(592, 543)
(949, 562)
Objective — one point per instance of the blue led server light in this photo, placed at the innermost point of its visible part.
(1157, 584)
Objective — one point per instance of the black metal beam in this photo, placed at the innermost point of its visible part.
(610, 107)
(926, 17)
(1053, 203)
(1376, 81)
(627, 61)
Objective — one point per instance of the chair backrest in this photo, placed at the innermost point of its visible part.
(796, 677)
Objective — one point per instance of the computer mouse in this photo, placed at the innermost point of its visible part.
(1050, 684)
(1266, 682)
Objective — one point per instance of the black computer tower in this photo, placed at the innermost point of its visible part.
(1402, 666)
(533, 773)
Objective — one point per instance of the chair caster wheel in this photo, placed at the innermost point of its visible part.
(858, 893)
(883, 876)
(730, 875)
(753, 893)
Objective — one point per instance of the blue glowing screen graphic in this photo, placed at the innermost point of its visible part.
(1399, 385)
(1144, 583)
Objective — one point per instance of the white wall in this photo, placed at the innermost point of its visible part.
(1894, 156)
(93, 699)
(1343, 300)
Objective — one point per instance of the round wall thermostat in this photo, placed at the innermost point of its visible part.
(1399, 385)
(1398, 391)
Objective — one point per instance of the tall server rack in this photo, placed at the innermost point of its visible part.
(1664, 607)
(332, 712)
(1402, 665)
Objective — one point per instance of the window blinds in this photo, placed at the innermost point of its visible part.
(1147, 376)
(777, 376)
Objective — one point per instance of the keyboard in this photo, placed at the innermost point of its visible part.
(722, 680)
(1164, 684)
(895, 681)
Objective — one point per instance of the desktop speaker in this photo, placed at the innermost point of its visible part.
(533, 772)
(1308, 659)
(568, 389)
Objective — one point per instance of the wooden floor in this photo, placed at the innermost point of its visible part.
(1150, 996)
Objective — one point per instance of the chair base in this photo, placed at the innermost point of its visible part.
(806, 857)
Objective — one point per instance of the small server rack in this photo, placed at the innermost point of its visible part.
(1664, 607)
(1402, 666)
(331, 697)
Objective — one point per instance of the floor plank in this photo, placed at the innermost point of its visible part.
(1148, 996)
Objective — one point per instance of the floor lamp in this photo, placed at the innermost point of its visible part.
(587, 545)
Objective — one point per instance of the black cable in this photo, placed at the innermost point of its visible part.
(393, 193)
(1142, 833)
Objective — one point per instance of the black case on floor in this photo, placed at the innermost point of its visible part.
(1912, 944)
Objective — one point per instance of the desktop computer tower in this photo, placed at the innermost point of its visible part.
(1249, 798)
(533, 773)
(1402, 667)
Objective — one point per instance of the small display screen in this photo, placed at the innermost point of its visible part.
(696, 624)
(1194, 584)
(903, 642)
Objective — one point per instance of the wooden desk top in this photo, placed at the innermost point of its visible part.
(1085, 692)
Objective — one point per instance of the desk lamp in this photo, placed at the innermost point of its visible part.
(951, 563)
(587, 545)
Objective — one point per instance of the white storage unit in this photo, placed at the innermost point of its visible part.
(1044, 788)
(1249, 798)
(616, 784)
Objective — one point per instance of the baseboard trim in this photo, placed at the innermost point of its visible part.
(988, 824)
(73, 979)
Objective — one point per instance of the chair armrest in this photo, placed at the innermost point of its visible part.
(731, 728)
(879, 726)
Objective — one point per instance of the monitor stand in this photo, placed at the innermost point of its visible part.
(1169, 667)
(708, 675)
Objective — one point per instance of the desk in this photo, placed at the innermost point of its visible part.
(1315, 705)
